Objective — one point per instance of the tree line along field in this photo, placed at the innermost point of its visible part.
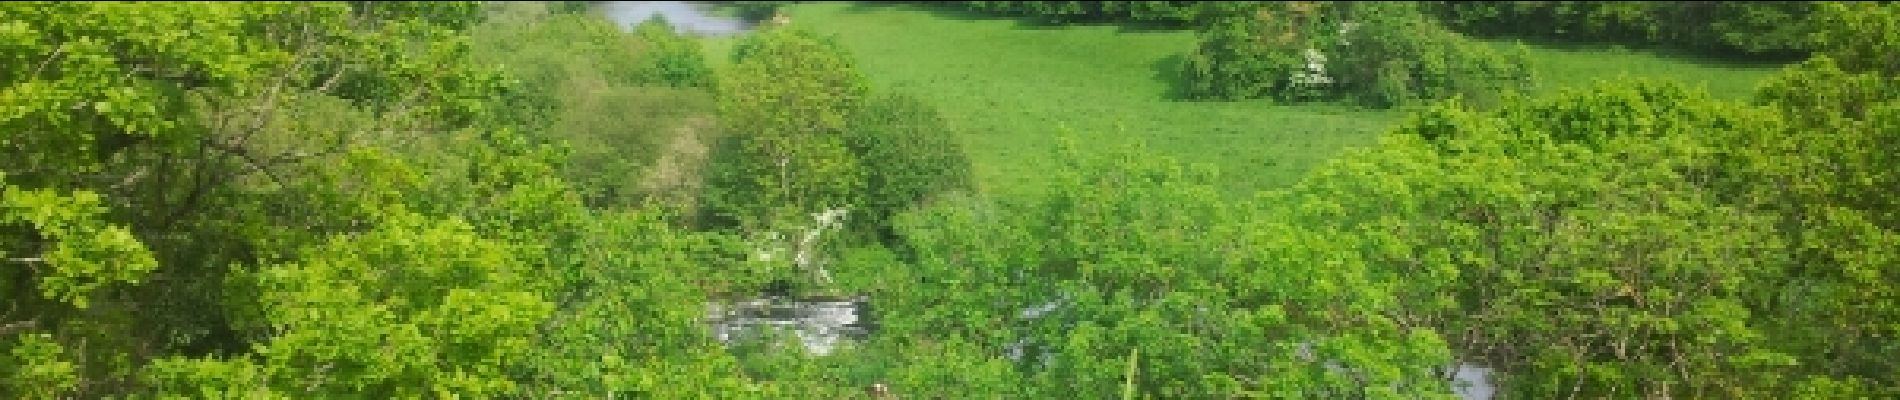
(1039, 199)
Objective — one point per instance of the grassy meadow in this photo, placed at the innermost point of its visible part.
(1011, 86)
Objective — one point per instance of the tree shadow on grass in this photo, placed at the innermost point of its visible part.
(1169, 70)
(940, 10)
(952, 11)
(1152, 27)
(1666, 51)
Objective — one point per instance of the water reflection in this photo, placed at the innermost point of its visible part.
(689, 17)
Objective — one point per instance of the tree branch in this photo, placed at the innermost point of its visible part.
(49, 59)
(8, 329)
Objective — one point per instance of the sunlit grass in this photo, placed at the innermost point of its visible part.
(1578, 66)
(1010, 87)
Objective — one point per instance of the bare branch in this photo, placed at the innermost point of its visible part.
(49, 59)
(135, 176)
(266, 106)
(330, 83)
(256, 165)
(17, 326)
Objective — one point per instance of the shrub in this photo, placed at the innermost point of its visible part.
(1393, 85)
(1377, 54)
(671, 59)
(1232, 63)
(908, 154)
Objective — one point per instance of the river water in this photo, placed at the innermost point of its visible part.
(688, 17)
(821, 325)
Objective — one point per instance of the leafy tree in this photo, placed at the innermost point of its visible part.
(411, 308)
(784, 106)
(66, 251)
(1232, 63)
(1859, 35)
(299, 123)
(1380, 54)
(909, 154)
(1134, 251)
(1630, 239)
(671, 59)
(37, 368)
(1828, 177)
(1602, 261)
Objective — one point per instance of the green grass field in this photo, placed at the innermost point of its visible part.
(1577, 66)
(1010, 87)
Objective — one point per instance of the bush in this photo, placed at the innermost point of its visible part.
(671, 59)
(908, 154)
(1231, 64)
(1393, 86)
(1377, 54)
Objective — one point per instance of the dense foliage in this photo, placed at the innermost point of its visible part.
(670, 58)
(1631, 240)
(126, 132)
(786, 104)
(1379, 54)
(347, 200)
(1861, 36)
(1134, 252)
(910, 153)
(585, 83)
(1640, 240)
(804, 136)
(311, 199)
(1574, 243)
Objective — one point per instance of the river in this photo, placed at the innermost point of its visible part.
(689, 17)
